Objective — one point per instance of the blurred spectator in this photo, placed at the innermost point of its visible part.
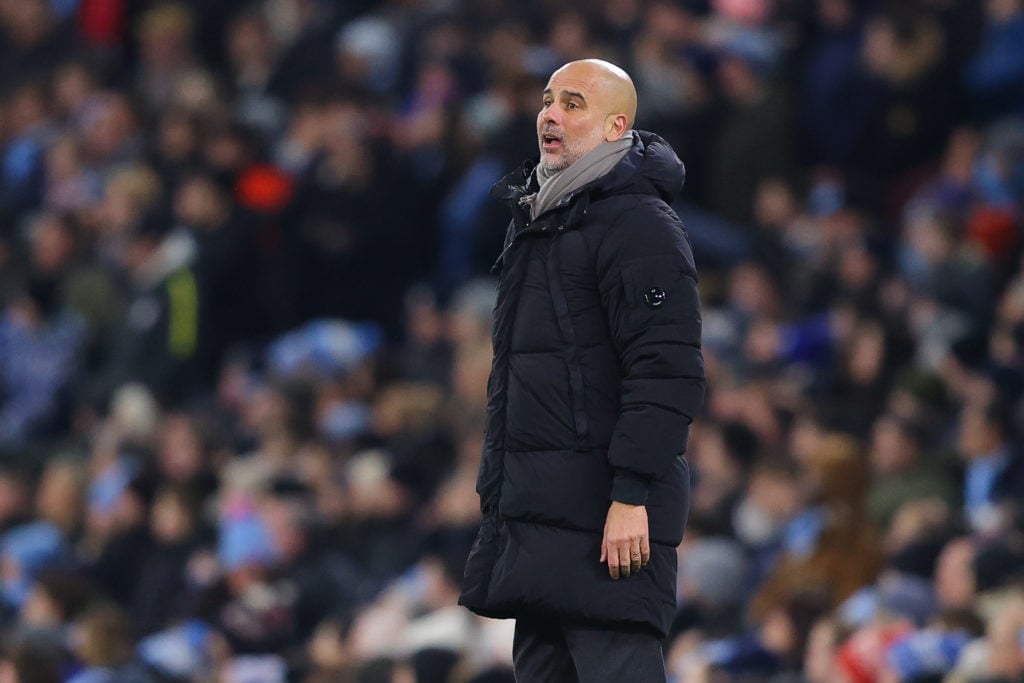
(29, 663)
(15, 497)
(58, 261)
(116, 533)
(60, 495)
(161, 587)
(245, 322)
(165, 35)
(916, 101)
(24, 552)
(835, 93)
(721, 463)
(252, 52)
(993, 467)
(903, 470)
(159, 340)
(994, 75)
(770, 501)
(103, 643)
(110, 131)
(224, 267)
(831, 547)
(753, 141)
(40, 343)
(28, 134)
(58, 597)
(36, 40)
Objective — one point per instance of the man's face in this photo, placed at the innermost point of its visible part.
(572, 118)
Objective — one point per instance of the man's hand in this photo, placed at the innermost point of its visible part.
(626, 545)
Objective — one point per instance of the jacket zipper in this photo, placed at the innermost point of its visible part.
(564, 321)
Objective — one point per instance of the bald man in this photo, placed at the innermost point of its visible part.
(597, 374)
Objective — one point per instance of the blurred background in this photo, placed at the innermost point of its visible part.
(245, 302)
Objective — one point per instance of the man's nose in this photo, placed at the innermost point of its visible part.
(550, 115)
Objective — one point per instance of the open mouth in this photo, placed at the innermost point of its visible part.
(550, 141)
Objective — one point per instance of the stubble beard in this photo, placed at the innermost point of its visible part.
(553, 168)
(571, 153)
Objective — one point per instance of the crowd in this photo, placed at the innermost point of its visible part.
(245, 306)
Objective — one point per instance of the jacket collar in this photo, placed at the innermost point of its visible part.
(522, 181)
(516, 184)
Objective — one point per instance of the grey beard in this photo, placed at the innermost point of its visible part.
(551, 169)
(555, 183)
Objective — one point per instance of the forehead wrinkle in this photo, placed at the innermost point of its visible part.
(584, 85)
(611, 90)
(562, 92)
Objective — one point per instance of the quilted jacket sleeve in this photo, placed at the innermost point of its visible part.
(648, 284)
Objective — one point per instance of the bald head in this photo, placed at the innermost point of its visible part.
(585, 103)
(613, 84)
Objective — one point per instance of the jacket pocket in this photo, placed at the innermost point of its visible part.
(572, 361)
(659, 290)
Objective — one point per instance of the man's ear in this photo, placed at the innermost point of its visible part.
(615, 127)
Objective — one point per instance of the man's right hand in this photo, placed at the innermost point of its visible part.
(626, 544)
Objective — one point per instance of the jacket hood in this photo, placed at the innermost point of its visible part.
(649, 167)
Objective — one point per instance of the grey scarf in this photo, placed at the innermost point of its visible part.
(557, 184)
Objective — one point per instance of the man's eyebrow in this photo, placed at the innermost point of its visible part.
(570, 93)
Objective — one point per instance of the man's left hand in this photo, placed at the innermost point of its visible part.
(626, 544)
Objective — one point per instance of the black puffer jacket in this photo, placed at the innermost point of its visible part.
(597, 375)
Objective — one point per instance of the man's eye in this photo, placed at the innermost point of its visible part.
(573, 105)
(547, 103)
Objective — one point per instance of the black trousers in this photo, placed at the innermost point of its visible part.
(545, 652)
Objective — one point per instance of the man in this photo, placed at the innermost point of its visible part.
(40, 343)
(597, 374)
(994, 469)
(160, 332)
